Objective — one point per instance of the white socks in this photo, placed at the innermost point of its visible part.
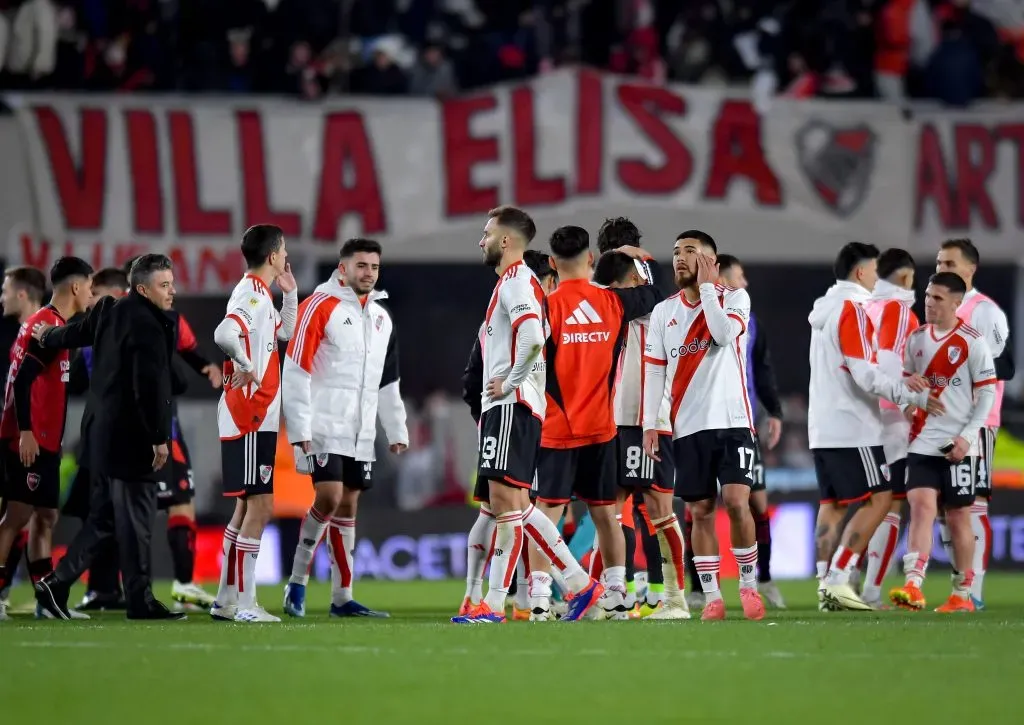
(478, 548)
(312, 530)
(227, 591)
(880, 552)
(545, 535)
(707, 572)
(341, 540)
(508, 544)
(746, 560)
(246, 553)
(982, 545)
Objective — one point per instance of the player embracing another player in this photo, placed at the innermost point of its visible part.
(944, 451)
(695, 354)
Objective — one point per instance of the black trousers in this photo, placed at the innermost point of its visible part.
(120, 511)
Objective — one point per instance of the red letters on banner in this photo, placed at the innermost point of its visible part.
(957, 179)
(175, 202)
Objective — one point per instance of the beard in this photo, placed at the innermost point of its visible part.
(685, 279)
(492, 256)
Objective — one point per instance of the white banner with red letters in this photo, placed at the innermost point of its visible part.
(114, 175)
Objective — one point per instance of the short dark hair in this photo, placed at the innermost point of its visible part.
(29, 280)
(145, 266)
(127, 268)
(113, 277)
(892, 261)
(966, 247)
(359, 244)
(569, 242)
(728, 261)
(259, 242)
(66, 268)
(703, 237)
(617, 232)
(950, 280)
(613, 267)
(539, 263)
(852, 254)
(515, 219)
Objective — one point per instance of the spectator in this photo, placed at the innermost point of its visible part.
(433, 74)
(956, 71)
(382, 77)
(239, 76)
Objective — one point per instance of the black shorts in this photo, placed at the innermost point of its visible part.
(590, 473)
(849, 475)
(330, 467)
(708, 456)
(637, 471)
(180, 487)
(757, 472)
(509, 444)
(898, 478)
(247, 464)
(955, 482)
(38, 485)
(987, 444)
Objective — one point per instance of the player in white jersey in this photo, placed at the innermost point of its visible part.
(696, 355)
(249, 413)
(844, 423)
(637, 472)
(891, 316)
(512, 412)
(985, 316)
(943, 452)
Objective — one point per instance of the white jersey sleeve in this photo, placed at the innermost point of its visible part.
(655, 375)
(982, 371)
(991, 322)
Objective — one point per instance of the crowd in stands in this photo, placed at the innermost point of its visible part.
(955, 51)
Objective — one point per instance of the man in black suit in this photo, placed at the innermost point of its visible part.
(130, 393)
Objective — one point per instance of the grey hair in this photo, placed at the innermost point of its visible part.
(143, 268)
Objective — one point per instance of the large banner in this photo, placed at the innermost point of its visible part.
(111, 176)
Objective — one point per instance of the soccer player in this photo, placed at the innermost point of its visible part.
(760, 386)
(942, 458)
(249, 413)
(634, 466)
(985, 316)
(844, 423)
(478, 543)
(512, 412)
(22, 296)
(579, 452)
(32, 425)
(340, 373)
(695, 355)
(891, 316)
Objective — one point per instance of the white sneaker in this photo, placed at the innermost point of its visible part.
(3, 611)
(75, 614)
(256, 615)
(671, 609)
(190, 593)
(559, 609)
(223, 612)
(842, 596)
(612, 605)
(771, 594)
(695, 600)
(540, 609)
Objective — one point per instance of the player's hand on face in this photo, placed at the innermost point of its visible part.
(917, 383)
(28, 448)
(160, 454)
(398, 448)
(774, 432)
(214, 374)
(493, 388)
(707, 271)
(286, 281)
(240, 379)
(935, 406)
(960, 449)
(39, 330)
(652, 445)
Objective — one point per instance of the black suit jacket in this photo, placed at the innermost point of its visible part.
(130, 390)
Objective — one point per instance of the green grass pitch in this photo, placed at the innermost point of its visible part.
(797, 666)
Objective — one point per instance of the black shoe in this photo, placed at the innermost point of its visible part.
(102, 602)
(154, 610)
(52, 596)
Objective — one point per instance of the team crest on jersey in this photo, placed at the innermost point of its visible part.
(321, 460)
(953, 353)
(886, 473)
(253, 302)
(32, 481)
(265, 472)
